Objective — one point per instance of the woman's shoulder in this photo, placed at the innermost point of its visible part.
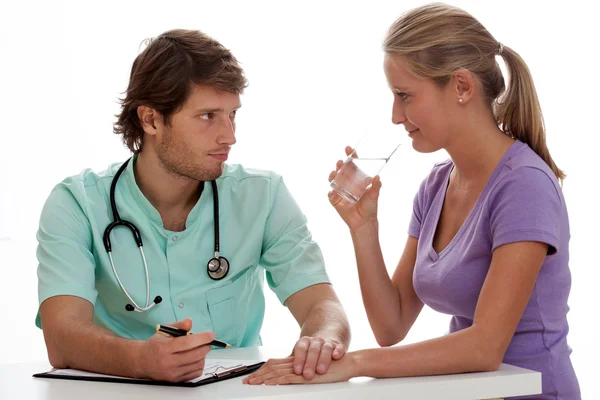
(434, 182)
(438, 176)
(525, 170)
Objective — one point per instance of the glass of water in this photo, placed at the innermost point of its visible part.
(367, 159)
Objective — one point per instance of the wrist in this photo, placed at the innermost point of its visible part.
(369, 229)
(134, 354)
(356, 364)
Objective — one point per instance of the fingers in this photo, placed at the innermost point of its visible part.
(185, 343)
(273, 367)
(185, 324)
(349, 151)
(276, 374)
(180, 373)
(300, 353)
(312, 357)
(368, 200)
(194, 355)
(286, 379)
(376, 181)
(339, 351)
(332, 174)
(191, 371)
(334, 198)
(325, 357)
(373, 192)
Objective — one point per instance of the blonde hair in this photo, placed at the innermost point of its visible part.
(438, 39)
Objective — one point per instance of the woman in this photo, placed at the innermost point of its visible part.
(489, 235)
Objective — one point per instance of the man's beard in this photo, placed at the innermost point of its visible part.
(180, 161)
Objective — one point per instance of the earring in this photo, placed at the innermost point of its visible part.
(460, 100)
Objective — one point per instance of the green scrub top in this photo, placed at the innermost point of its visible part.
(262, 229)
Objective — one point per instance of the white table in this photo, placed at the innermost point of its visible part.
(16, 382)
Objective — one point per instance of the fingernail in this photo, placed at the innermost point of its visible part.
(298, 369)
(252, 380)
(322, 367)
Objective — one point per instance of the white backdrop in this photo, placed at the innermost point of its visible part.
(316, 82)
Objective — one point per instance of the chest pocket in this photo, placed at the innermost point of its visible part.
(232, 307)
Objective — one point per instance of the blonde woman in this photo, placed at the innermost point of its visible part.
(488, 242)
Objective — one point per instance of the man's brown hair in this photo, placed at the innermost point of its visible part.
(162, 75)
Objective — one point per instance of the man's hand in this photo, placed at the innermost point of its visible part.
(315, 354)
(320, 315)
(174, 359)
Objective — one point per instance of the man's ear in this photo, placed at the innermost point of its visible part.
(149, 119)
(464, 85)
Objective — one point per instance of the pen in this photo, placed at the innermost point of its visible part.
(176, 332)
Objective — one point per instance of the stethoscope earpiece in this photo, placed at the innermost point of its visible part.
(217, 267)
(157, 300)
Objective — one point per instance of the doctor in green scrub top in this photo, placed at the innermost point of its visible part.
(101, 294)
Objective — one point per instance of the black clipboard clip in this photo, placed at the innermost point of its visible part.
(229, 371)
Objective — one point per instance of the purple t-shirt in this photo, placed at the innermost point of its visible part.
(522, 201)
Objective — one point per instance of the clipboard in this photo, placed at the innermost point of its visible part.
(233, 369)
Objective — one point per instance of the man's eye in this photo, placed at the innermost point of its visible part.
(207, 116)
(233, 114)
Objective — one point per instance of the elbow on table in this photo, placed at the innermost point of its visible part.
(56, 360)
(55, 356)
(489, 359)
(389, 338)
(491, 365)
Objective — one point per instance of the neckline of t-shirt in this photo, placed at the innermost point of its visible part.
(152, 213)
(441, 196)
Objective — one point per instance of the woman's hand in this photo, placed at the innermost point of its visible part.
(363, 212)
(281, 372)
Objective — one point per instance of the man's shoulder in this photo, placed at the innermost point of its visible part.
(87, 180)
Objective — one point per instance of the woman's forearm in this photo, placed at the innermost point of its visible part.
(380, 295)
(463, 351)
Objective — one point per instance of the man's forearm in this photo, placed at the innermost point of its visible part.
(328, 321)
(86, 346)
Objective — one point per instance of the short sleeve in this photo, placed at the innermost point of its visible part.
(66, 263)
(526, 205)
(414, 227)
(292, 260)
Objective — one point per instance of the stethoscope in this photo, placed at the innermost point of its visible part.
(217, 268)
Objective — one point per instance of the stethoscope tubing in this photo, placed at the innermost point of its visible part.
(221, 263)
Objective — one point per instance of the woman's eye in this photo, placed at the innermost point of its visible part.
(403, 96)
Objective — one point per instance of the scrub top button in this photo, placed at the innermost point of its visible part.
(174, 238)
(181, 305)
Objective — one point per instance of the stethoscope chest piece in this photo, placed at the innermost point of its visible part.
(217, 268)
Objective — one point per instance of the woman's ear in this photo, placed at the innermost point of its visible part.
(463, 83)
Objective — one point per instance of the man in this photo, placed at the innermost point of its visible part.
(188, 236)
